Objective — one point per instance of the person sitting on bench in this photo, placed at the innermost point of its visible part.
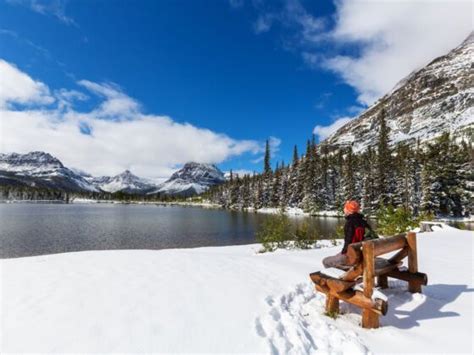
(354, 232)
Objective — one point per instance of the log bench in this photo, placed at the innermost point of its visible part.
(364, 265)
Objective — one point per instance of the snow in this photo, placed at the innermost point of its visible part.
(126, 181)
(192, 178)
(42, 166)
(333, 272)
(295, 211)
(290, 211)
(83, 200)
(227, 299)
(180, 185)
(427, 103)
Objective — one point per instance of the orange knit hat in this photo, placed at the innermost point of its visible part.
(351, 207)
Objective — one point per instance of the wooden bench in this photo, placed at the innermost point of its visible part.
(365, 266)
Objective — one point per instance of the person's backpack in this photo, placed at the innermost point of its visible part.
(370, 234)
(364, 233)
(359, 235)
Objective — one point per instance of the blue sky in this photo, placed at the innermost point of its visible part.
(241, 70)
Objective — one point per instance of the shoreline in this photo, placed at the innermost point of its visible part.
(289, 211)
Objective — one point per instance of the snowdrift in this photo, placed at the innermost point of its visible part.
(226, 299)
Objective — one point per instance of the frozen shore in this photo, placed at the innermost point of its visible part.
(226, 299)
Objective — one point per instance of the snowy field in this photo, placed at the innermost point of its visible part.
(227, 299)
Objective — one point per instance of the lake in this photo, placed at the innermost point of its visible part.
(36, 229)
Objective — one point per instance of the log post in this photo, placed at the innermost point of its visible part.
(370, 319)
(413, 286)
(382, 281)
(332, 304)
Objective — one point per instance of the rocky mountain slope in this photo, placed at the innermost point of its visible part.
(39, 169)
(193, 178)
(42, 170)
(125, 182)
(435, 99)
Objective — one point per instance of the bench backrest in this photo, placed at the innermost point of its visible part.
(380, 246)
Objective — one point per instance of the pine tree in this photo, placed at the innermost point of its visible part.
(384, 160)
(295, 156)
(348, 173)
(267, 169)
(284, 195)
(403, 164)
(276, 186)
(295, 193)
(368, 181)
(324, 178)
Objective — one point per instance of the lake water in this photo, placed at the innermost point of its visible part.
(37, 229)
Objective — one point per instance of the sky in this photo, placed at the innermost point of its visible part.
(149, 85)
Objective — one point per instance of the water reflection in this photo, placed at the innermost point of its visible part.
(35, 229)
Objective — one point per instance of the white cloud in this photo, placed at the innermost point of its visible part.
(322, 132)
(274, 144)
(291, 15)
(54, 8)
(396, 38)
(66, 98)
(16, 86)
(116, 104)
(236, 4)
(389, 39)
(149, 145)
(263, 23)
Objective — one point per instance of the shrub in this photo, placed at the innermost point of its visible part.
(459, 225)
(274, 232)
(304, 236)
(277, 232)
(340, 231)
(391, 221)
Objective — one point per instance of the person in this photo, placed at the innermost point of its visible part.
(354, 231)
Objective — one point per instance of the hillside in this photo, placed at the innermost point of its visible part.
(435, 99)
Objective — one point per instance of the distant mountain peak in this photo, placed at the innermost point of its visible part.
(193, 178)
(125, 182)
(36, 158)
(42, 169)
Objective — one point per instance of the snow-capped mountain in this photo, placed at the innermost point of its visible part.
(192, 179)
(125, 182)
(435, 99)
(42, 170)
(39, 169)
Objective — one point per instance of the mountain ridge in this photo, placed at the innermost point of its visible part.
(193, 178)
(432, 100)
(42, 170)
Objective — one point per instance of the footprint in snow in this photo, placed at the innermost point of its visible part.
(294, 323)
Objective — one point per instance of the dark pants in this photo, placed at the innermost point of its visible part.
(335, 260)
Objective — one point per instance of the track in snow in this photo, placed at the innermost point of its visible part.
(294, 323)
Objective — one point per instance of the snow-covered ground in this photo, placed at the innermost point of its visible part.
(227, 299)
(296, 211)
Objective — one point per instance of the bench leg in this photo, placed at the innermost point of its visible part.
(332, 304)
(414, 286)
(370, 319)
(382, 281)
